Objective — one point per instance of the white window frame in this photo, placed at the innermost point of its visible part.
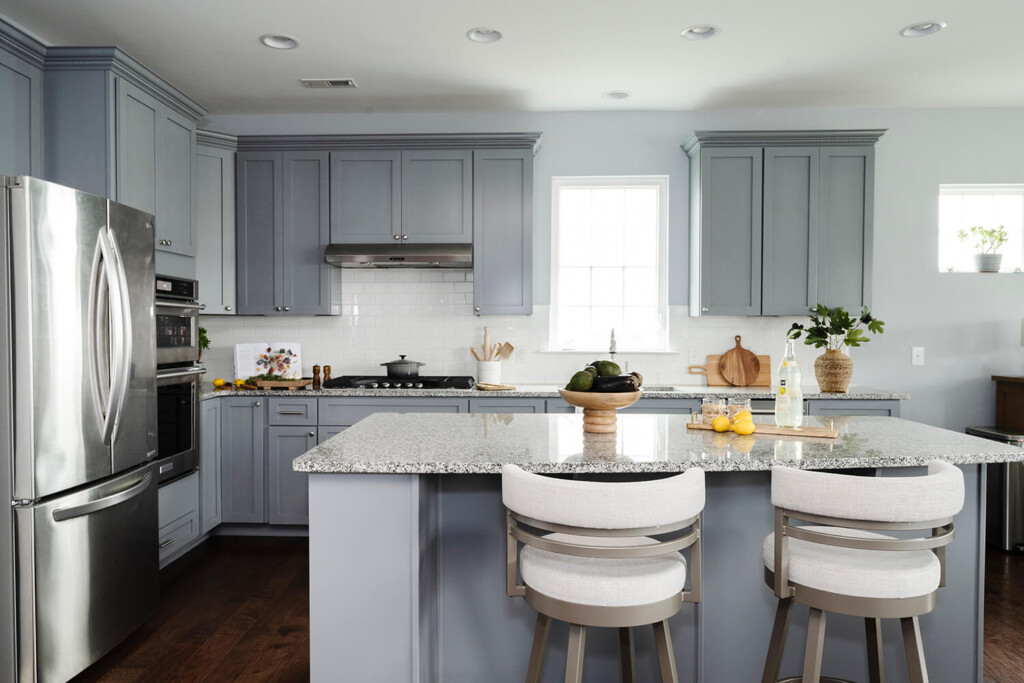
(659, 182)
(1015, 189)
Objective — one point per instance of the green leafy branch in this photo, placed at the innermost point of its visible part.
(833, 327)
(988, 240)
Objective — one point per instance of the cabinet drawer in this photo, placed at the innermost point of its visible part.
(506, 405)
(325, 433)
(178, 535)
(345, 412)
(177, 499)
(292, 411)
(557, 405)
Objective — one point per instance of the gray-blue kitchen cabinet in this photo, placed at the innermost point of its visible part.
(437, 196)
(780, 220)
(846, 406)
(503, 232)
(506, 405)
(664, 406)
(21, 110)
(366, 196)
(242, 460)
(288, 490)
(282, 214)
(215, 222)
(211, 449)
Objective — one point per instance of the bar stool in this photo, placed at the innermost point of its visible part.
(588, 558)
(839, 566)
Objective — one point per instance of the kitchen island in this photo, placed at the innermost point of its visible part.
(407, 545)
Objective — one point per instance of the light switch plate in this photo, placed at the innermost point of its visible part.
(917, 355)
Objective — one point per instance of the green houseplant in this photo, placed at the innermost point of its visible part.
(831, 329)
(204, 341)
(987, 241)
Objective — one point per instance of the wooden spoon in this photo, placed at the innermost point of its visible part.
(739, 366)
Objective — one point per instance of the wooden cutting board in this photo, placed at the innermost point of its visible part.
(771, 430)
(714, 373)
(739, 366)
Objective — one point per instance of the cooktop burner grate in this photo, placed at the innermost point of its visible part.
(385, 382)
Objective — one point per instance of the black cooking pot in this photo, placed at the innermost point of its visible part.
(403, 368)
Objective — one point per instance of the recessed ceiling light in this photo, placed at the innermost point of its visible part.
(701, 32)
(279, 42)
(482, 34)
(922, 28)
(617, 94)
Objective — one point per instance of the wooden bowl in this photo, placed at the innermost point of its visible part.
(599, 408)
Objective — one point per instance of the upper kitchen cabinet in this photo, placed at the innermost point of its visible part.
(366, 196)
(437, 196)
(282, 230)
(780, 220)
(116, 129)
(215, 221)
(21, 103)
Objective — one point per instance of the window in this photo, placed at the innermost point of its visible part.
(609, 263)
(962, 207)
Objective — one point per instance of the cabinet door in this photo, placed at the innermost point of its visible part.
(366, 197)
(730, 231)
(259, 215)
(790, 233)
(506, 405)
(437, 196)
(503, 232)
(242, 460)
(210, 443)
(215, 229)
(21, 117)
(325, 433)
(175, 175)
(306, 277)
(847, 406)
(846, 212)
(137, 123)
(288, 490)
(664, 406)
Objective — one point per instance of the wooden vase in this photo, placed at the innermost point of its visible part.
(833, 370)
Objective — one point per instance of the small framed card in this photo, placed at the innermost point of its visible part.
(268, 358)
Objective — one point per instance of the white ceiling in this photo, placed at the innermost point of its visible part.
(557, 55)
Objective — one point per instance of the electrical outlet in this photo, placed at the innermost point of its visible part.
(917, 355)
(520, 354)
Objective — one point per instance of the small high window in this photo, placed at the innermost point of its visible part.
(981, 219)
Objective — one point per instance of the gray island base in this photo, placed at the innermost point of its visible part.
(407, 547)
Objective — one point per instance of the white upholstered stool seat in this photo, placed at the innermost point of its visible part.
(603, 582)
(859, 573)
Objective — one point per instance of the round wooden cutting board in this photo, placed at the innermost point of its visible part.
(739, 366)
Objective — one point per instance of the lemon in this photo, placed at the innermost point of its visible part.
(720, 424)
(219, 382)
(239, 382)
(744, 427)
(742, 415)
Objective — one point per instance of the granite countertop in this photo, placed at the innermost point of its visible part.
(551, 391)
(389, 443)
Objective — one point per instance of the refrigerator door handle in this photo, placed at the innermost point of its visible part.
(116, 307)
(124, 329)
(99, 340)
(61, 514)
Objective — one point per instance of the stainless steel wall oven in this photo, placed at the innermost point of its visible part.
(177, 320)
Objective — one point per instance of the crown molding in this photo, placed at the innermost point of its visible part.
(210, 138)
(782, 138)
(123, 65)
(274, 143)
(22, 45)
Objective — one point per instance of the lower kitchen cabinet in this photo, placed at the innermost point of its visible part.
(178, 516)
(347, 411)
(506, 405)
(287, 490)
(325, 433)
(846, 406)
(242, 460)
(664, 406)
(210, 453)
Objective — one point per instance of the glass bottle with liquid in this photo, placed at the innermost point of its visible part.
(789, 399)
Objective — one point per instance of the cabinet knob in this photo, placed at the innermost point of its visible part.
(149, 225)
(405, 237)
(259, 403)
(169, 242)
(287, 308)
(704, 310)
(396, 237)
(277, 308)
(227, 308)
(477, 309)
(312, 433)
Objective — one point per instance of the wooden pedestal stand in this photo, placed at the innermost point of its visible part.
(598, 408)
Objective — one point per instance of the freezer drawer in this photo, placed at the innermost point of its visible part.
(87, 573)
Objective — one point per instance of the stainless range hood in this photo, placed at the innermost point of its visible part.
(399, 255)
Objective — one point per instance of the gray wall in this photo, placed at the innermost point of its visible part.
(969, 324)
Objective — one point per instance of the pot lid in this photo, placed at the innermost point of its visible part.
(403, 361)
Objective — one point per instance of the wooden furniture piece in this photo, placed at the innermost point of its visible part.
(588, 559)
(1009, 402)
(842, 565)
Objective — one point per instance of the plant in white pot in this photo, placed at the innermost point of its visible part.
(830, 329)
(987, 241)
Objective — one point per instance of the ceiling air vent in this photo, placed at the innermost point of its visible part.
(329, 83)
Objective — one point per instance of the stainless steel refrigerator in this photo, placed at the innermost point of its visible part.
(77, 428)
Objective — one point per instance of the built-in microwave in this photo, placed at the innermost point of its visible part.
(177, 320)
(177, 400)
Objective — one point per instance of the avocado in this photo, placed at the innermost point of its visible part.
(581, 381)
(607, 368)
(591, 370)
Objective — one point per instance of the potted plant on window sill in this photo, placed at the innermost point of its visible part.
(830, 329)
(987, 242)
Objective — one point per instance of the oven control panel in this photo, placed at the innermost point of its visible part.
(181, 289)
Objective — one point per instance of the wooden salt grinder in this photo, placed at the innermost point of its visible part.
(316, 378)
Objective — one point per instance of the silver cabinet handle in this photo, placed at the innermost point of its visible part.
(405, 237)
(258, 404)
(287, 308)
(164, 303)
(291, 412)
(396, 237)
(60, 514)
(477, 309)
(167, 543)
(227, 308)
(312, 433)
(704, 310)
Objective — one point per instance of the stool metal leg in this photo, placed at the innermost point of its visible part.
(628, 647)
(778, 642)
(873, 632)
(915, 650)
(815, 645)
(666, 658)
(574, 660)
(540, 638)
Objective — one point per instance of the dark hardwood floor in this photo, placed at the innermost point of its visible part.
(1004, 617)
(237, 610)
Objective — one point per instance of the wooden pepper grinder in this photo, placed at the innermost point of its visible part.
(327, 373)
(316, 378)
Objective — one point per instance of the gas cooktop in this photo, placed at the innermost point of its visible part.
(385, 382)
